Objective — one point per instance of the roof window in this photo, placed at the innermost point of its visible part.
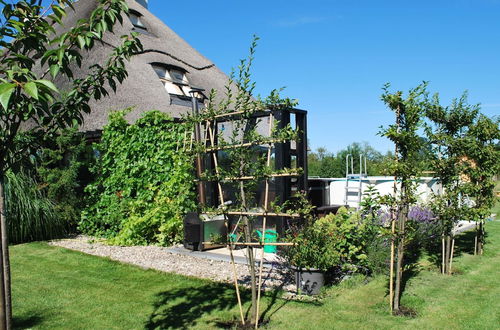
(174, 79)
(136, 19)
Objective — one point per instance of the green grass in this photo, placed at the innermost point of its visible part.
(57, 288)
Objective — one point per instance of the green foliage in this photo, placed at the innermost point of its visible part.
(405, 135)
(30, 214)
(144, 182)
(334, 242)
(61, 166)
(465, 158)
(328, 165)
(371, 203)
(484, 155)
(32, 50)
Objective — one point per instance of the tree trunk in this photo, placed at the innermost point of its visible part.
(248, 238)
(480, 244)
(5, 301)
(391, 270)
(400, 255)
(253, 310)
(476, 240)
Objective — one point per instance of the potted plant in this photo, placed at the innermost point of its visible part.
(334, 242)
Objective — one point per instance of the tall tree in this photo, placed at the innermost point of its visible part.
(32, 52)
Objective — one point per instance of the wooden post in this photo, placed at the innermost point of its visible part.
(266, 204)
(235, 277)
(451, 254)
(226, 220)
(448, 254)
(442, 254)
(4, 285)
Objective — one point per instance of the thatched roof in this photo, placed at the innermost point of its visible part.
(142, 89)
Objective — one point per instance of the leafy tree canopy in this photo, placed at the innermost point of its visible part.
(33, 55)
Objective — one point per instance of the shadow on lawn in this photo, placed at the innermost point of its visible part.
(27, 322)
(183, 307)
(464, 244)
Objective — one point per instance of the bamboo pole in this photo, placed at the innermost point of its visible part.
(447, 255)
(256, 243)
(221, 198)
(235, 277)
(451, 255)
(264, 214)
(266, 203)
(245, 144)
(442, 254)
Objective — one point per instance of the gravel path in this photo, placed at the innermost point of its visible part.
(159, 258)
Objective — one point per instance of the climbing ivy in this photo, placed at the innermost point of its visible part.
(144, 183)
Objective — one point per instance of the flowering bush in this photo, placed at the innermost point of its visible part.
(424, 226)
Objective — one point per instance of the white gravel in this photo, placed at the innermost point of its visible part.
(159, 258)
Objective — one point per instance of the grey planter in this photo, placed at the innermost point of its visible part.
(309, 281)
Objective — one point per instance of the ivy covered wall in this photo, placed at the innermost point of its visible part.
(144, 182)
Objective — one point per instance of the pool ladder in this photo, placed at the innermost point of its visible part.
(354, 181)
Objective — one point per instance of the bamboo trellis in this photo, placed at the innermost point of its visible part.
(211, 147)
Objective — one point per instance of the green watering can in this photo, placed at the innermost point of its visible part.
(270, 237)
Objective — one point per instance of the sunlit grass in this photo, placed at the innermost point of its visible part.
(54, 288)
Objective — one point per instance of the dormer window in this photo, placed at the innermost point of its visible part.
(174, 79)
(136, 19)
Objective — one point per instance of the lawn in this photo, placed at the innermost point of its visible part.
(57, 288)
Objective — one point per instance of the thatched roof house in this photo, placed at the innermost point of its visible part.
(159, 78)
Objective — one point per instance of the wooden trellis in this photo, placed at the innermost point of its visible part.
(211, 148)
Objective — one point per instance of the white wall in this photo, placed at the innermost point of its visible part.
(427, 186)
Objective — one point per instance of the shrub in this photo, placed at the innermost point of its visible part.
(333, 243)
(144, 182)
(31, 215)
(61, 165)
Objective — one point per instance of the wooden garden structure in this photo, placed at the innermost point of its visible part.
(286, 161)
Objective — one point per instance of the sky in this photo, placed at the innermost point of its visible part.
(335, 56)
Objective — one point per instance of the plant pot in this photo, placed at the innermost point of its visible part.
(309, 281)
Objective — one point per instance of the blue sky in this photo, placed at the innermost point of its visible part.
(334, 56)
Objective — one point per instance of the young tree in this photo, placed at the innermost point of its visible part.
(452, 144)
(406, 167)
(484, 165)
(244, 172)
(32, 52)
